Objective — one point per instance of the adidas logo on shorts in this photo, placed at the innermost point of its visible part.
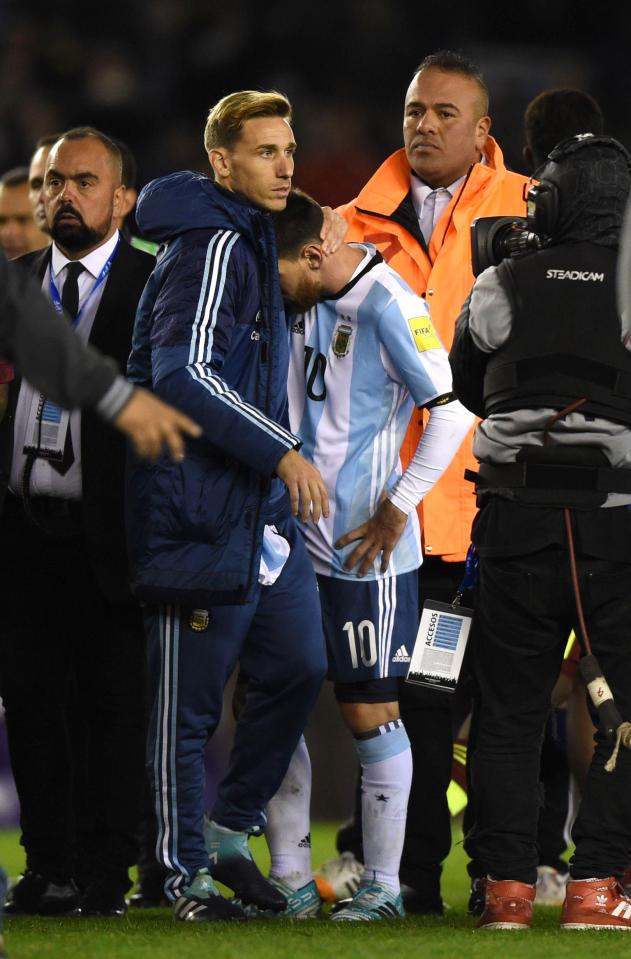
(401, 655)
(306, 842)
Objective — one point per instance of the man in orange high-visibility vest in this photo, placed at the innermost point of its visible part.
(417, 209)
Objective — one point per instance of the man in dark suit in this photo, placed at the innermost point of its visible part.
(72, 649)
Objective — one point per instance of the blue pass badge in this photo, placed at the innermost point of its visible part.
(440, 645)
(46, 429)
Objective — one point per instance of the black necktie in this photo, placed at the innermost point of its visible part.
(70, 303)
(70, 292)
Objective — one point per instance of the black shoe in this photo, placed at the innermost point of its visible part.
(339, 905)
(213, 909)
(150, 893)
(418, 903)
(102, 899)
(202, 902)
(230, 862)
(35, 895)
(148, 898)
(248, 884)
(477, 896)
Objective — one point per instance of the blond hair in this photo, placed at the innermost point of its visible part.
(227, 117)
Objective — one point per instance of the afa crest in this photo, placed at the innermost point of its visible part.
(199, 620)
(342, 339)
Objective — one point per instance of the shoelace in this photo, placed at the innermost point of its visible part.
(370, 896)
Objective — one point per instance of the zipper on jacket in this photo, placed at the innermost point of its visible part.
(459, 197)
(392, 218)
(421, 240)
(252, 517)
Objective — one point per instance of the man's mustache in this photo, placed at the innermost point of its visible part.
(68, 209)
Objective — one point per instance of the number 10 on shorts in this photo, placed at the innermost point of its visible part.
(363, 642)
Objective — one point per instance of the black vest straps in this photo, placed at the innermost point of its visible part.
(564, 343)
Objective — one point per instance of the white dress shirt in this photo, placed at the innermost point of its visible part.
(430, 203)
(45, 480)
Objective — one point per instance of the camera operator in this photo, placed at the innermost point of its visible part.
(538, 355)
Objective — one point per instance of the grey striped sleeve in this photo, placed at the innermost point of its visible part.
(489, 312)
(115, 399)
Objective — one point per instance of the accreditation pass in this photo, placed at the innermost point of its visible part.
(440, 645)
(47, 428)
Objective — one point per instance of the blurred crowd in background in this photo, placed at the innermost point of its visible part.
(148, 71)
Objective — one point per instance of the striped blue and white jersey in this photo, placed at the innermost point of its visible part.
(360, 362)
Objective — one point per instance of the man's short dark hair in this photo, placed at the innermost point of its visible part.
(449, 62)
(554, 115)
(299, 224)
(82, 133)
(129, 173)
(15, 177)
(47, 141)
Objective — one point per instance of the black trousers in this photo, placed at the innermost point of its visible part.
(525, 611)
(72, 672)
(432, 719)
(554, 783)
(554, 789)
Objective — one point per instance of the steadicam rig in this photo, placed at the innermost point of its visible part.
(601, 696)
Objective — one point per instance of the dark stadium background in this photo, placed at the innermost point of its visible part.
(147, 71)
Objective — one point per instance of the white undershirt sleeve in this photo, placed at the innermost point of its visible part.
(446, 429)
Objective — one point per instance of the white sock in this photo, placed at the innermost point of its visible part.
(287, 830)
(386, 761)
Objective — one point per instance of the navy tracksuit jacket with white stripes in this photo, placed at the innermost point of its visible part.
(211, 338)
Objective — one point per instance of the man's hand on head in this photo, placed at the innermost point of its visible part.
(307, 491)
(334, 229)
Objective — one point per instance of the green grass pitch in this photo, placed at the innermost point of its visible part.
(153, 935)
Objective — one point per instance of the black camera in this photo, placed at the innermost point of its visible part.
(493, 238)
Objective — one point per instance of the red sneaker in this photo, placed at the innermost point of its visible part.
(508, 905)
(596, 904)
